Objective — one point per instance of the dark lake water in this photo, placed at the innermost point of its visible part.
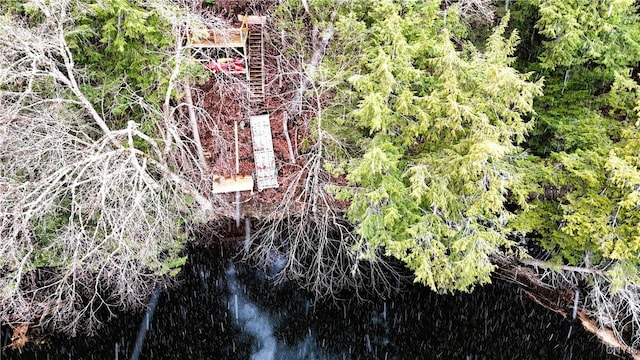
(228, 311)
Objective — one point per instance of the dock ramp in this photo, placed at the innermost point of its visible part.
(265, 164)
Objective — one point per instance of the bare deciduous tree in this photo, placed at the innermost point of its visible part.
(92, 217)
(602, 298)
(481, 11)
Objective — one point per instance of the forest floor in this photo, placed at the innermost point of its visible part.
(225, 97)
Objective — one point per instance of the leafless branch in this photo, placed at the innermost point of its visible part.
(315, 244)
(92, 214)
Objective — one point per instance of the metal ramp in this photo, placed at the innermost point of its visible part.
(265, 163)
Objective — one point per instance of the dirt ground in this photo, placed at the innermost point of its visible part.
(225, 97)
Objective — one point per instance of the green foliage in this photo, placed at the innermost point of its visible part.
(624, 97)
(595, 214)
(124, 47)
(586, 45)
(442, 124)
(10, 6)
(173, 266)
(48, 252)
(580, 210)
(623, 273)
(567, 122)
(22, 8)
(603, 32)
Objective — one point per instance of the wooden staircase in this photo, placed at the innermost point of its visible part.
(256, 70)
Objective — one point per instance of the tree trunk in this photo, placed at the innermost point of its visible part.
(193, 121)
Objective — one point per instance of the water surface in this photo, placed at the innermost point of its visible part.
(229, 311)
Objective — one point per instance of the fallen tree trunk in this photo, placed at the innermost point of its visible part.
(562, 300)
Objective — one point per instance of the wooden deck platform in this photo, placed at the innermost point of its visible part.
(222, 38)
(229, 38)
(253, 19)
(227, 184)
